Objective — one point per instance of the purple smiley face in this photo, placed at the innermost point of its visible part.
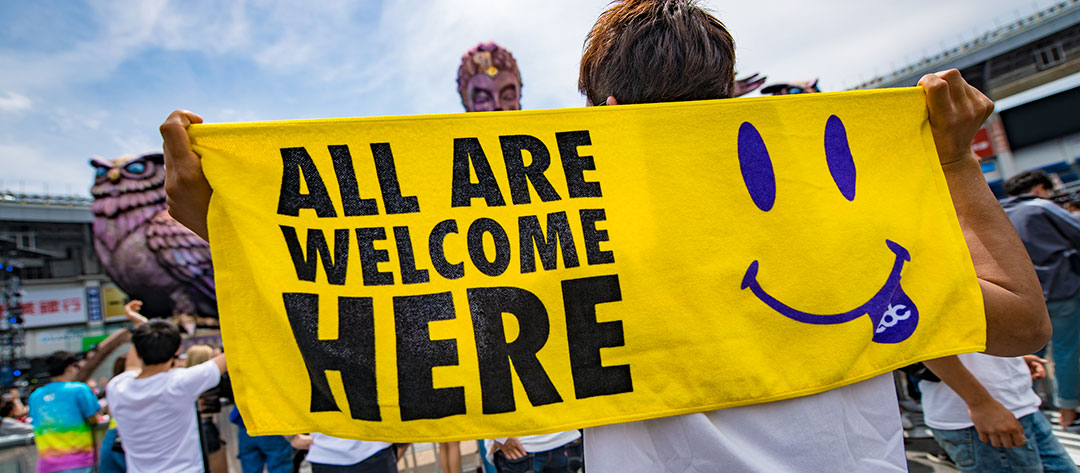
(892, 313)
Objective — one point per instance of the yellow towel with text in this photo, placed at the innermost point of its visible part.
(448, 277)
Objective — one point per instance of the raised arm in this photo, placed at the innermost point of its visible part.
(104, 349)
(131, 310)
(1016, 319)
(186, 189)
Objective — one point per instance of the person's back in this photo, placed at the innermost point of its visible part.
(645, 51)
(62, 411)
(154, 407)
(1050, 233)
(852, 428)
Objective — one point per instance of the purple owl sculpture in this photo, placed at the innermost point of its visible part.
(151, 256)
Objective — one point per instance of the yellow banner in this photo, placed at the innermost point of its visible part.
(446, 277)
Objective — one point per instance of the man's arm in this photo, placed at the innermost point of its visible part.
(1016, 319)
(104, 349)
(995, 424)
(220, 361)
(186, 189)
(132, 361)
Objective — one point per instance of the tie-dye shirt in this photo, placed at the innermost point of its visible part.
(64, 439)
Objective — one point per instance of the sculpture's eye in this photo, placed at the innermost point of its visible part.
(756, 167)
(838, 156)
(136, 168)
(100, 171)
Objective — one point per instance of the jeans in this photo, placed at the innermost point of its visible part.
(1065, 348)
(109, 459)
(1042, 452)
(273, 451)
(567, 458)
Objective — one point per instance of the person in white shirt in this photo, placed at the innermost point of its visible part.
(557, 452)
(337, 455)
(154, 406)
(986, 416)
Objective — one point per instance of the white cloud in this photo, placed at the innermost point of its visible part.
(14, 102)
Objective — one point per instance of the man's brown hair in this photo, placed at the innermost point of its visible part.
(643, 51)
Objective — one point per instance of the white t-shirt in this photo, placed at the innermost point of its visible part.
(157, 419)
(329, 450)
(855, 428)
(1008, 381)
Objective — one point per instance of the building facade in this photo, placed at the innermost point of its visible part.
(1031, 69)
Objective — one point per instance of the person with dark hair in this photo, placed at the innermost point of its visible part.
(154, 405)
(1052, 237)
(11, 409)
(644, 51)
(1034, 182)
(63, 413)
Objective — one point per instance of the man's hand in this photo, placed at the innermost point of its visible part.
(299, 441)
(957, 110)
(1035, 365)
(996, 425)
(131, 311)
(513, 449)
(186, 189)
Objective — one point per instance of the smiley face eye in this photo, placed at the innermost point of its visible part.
(838, 156)
(756, 167)
(100, 171)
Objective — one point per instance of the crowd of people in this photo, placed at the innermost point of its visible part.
(981, 407)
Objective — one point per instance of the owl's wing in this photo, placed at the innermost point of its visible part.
(181, 252)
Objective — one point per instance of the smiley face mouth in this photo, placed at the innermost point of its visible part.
(892, 312)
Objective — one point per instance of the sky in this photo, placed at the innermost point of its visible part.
(95, 78)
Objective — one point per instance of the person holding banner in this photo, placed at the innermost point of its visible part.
(639, 52)
(633, 54)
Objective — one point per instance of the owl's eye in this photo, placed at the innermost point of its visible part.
(136, 168)
(100, 171)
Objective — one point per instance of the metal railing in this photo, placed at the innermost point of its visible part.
(18, 454)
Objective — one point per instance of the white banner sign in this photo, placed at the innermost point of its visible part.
(46, 306)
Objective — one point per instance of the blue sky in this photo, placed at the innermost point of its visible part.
(96, 78)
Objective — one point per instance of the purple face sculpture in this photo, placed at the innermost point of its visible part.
(488, 79)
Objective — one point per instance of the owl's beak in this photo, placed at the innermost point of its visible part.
(113, 175)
